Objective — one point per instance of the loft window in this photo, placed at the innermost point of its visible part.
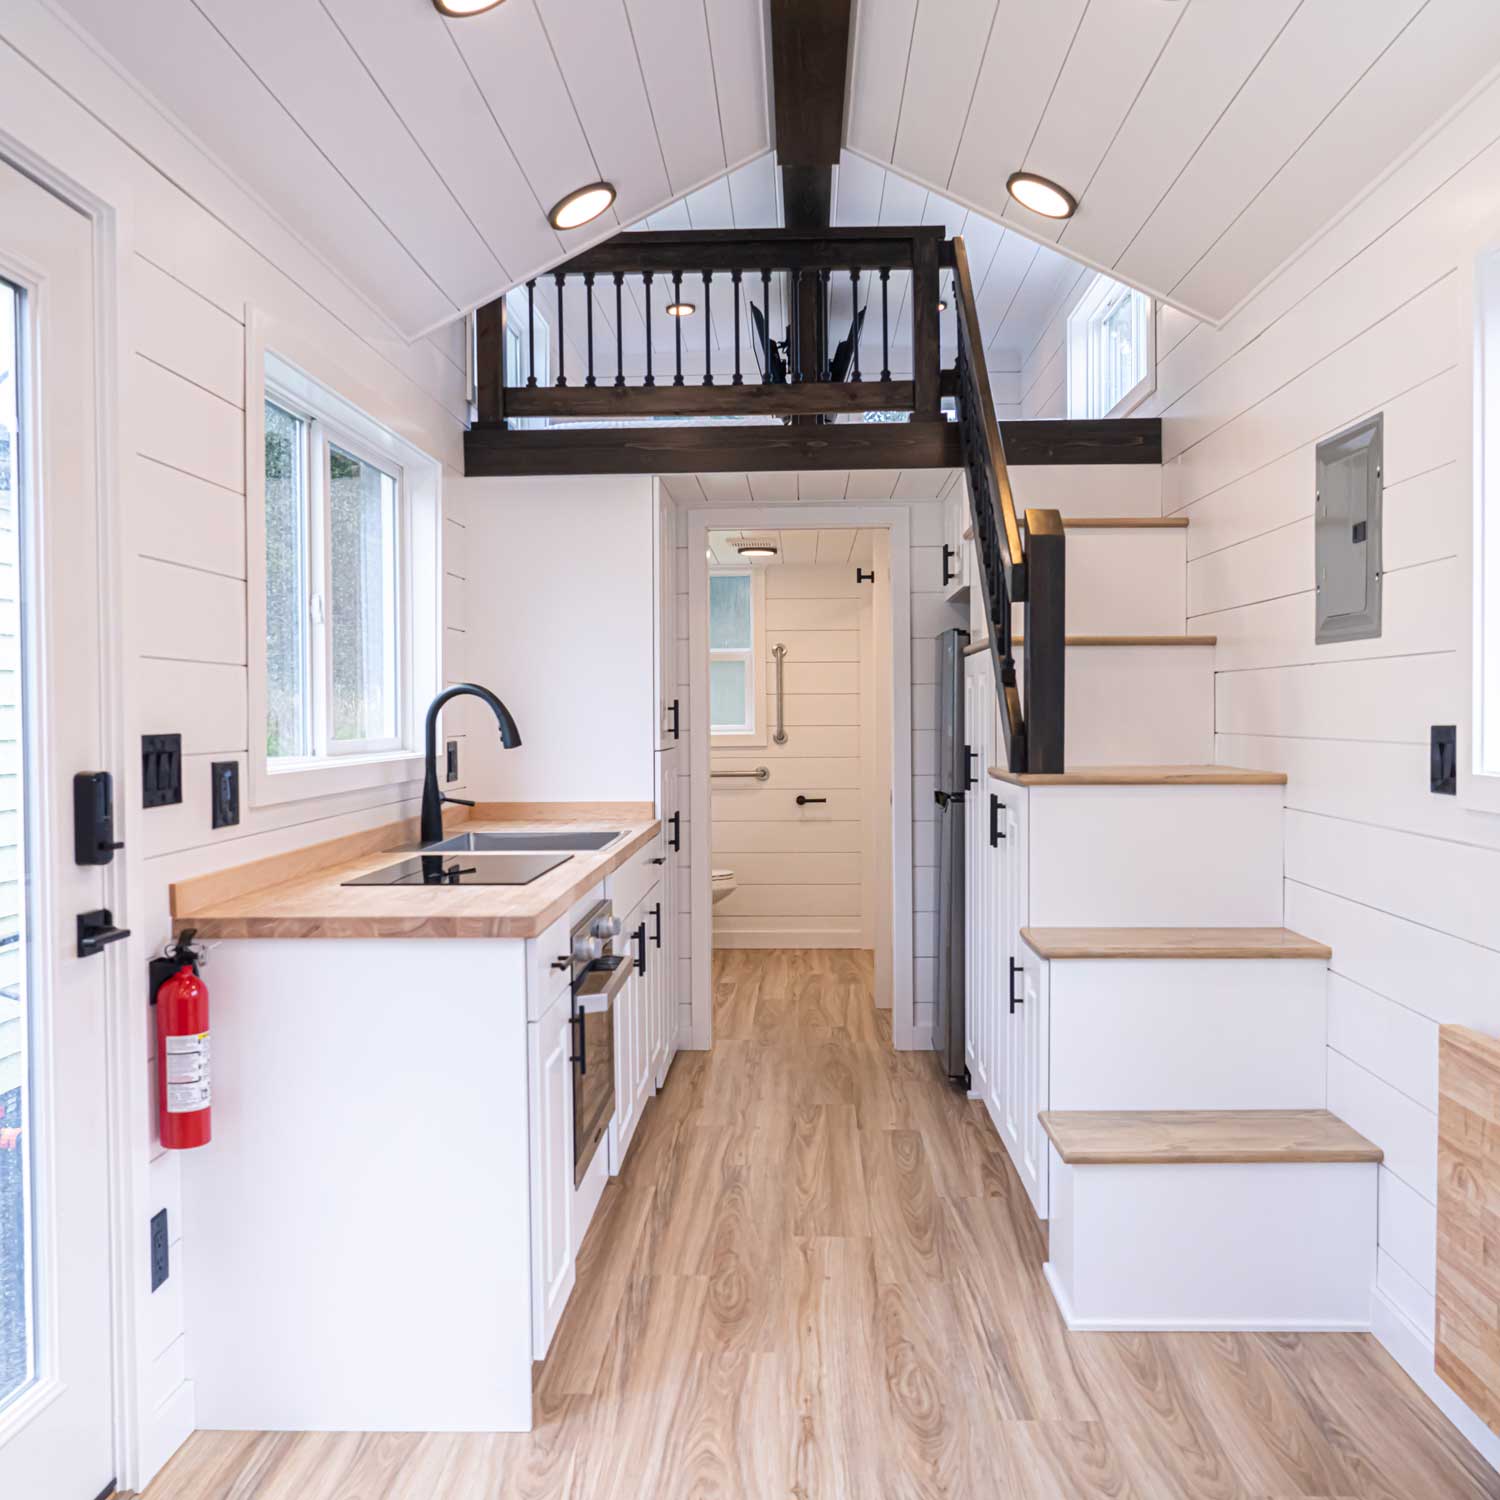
(1111, 350)
(736, 653)
(345, 526)
(520, 348)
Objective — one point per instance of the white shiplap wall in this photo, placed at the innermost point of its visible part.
(193, 250)
(800, 875)
(1403, 884)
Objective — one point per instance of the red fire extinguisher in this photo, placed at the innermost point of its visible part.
(184, 1093)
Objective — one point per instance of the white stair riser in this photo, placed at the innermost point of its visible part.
(1137, 705)
(1124, 582)
(1188, 1034)
(1271, 1245)
(1155, 856)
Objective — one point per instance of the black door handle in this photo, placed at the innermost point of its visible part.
(970, 756)
(806, 801)
(1015, 999)
(96, 929)
(996, 831)
(948, 574)
(676, 715)
(675, 842)
(656, 912)
(639, 938)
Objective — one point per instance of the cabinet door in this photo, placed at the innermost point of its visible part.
(1035, 1031)
(668, 703)
(551, 1120)
(975, 933)
(665, 956)
(627, 1004)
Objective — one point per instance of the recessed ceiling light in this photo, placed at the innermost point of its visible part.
(681, 309)
(582, 206)
(756, 548)
(464, 7)
(942, 307)
(1041, 196)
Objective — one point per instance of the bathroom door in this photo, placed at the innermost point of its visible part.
(56, 1438)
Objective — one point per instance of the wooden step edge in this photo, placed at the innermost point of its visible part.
(1172, 942)
(1142, 776)
(1110, 1138)
(983, 643)
(1113, 523)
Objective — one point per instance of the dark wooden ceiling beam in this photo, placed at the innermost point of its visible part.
(809, 75)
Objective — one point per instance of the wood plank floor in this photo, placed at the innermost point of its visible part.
(818, 1276)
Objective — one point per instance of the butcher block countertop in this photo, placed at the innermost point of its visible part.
(301, 894)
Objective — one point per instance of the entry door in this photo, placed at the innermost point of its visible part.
(55, 1332)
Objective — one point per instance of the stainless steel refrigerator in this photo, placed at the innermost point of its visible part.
(952, 784)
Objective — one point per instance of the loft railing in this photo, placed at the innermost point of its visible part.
(1020, 562)
(800, 327)
(782, 325)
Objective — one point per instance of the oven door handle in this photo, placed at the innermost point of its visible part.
(599, 1002)
(580, 1040)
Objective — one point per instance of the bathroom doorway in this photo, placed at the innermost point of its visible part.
(800, 691)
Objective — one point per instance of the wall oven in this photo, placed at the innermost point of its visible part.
(599, 974)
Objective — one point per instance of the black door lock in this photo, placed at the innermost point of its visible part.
(94, 841)
(806, 801)
(96, 929)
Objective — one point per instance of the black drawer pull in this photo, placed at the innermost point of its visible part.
(970, 756)
(676, 716)
(996, 831)
(807, 801)
(675, 842)
(638, 937)
(656, 912)
(1015, 999)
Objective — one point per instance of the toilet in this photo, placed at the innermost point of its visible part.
(723, 884)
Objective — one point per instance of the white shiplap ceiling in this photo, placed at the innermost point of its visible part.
(1207, 140)
(792, 487)
(847, 544)
(420, 155)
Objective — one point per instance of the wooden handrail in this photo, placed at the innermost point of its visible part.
(1017, 566)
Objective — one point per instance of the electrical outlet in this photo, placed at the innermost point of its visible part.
(452, 760)
(224, 777)
(1445, 759)
(161, 769)
(160, 1269)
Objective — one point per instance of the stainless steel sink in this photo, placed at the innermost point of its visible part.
(575, 839)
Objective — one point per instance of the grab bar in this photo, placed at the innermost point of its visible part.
(760, 773)
(779, 737)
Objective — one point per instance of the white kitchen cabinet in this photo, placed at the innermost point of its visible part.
(670, 715)
(550, 1068)
(635, 1076)
(957, 553)
(665, 953)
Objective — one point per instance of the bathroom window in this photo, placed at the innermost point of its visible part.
(348, 583)
(1111, 350)
(736, 656)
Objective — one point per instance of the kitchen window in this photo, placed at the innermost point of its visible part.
(345, 571)
(1111, 350)
(736, 656)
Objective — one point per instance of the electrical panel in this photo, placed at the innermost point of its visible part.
(1348, 533)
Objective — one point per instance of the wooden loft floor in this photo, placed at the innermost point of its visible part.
(819, 1276)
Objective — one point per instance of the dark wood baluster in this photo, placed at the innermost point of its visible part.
(677, 323)
(765, 298)
(794, 330)
(650, 378)
(825, 364)
(588, 297)
(854, 328)
(739, 378)
(885, 323)
(562, 340)
(619, 329)
(531, 332)
(708, 332)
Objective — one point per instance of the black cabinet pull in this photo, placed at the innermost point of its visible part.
(996, 831)
(808, 801)
(1015, 999)
(675, 842)
(948, 574)
(676, 716)
(96, 929)
(638, 937)
(970, 756)
(656, 912)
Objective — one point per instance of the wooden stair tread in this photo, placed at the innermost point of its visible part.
(1172, 942)
(1142, 776)
(983, 643)
(1087, 1137)
(1113, 523)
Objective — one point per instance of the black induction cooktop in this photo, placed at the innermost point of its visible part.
(464, 869)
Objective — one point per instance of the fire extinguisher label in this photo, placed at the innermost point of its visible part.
(188, 1086)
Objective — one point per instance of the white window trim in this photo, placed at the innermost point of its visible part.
(1479, 301)
(759, 679)
(1079, 319)
(280, 363)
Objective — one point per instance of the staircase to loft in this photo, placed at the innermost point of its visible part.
(736, 351)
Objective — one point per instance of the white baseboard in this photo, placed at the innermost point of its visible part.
(1188, 1325)
(1412, 1350)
